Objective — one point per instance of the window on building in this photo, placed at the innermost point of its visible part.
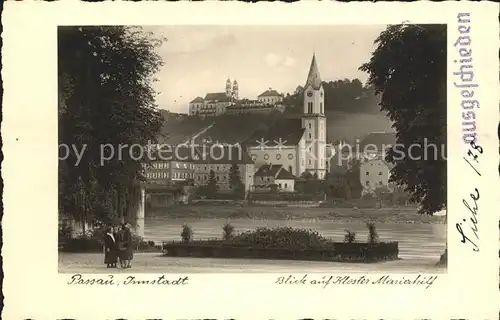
(380, 173)
(321, 107)
(286, 186)
(261, 178)
(309, 107)
(279, 185)
(367, 183)
(310, 162)
(380, 183)
(367, 173)
(217, 178)
(310, 125)
(310, 137)
(290, 169)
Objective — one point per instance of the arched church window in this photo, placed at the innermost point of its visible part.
(278, 156)
(290, 156)
(266, 157)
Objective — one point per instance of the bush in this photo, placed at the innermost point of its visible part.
(372, 233)
(282, 237)
(228, 231)
(350, 236)
(187, 233)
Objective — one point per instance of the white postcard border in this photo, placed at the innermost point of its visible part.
(32, 286)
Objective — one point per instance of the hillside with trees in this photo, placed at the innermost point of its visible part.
(346, 95)
(352, 111)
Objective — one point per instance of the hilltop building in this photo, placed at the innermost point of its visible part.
(215, 104)
(298, 145)
(218, 103)
(270, 96)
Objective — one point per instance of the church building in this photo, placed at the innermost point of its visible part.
(298, 145)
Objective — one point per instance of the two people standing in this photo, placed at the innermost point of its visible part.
(118, 246)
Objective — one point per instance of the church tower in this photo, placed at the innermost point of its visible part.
(228, 88)
(235, 90)
(314, 122)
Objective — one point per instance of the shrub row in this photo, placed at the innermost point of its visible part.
(93, 241)
(354, 252)
(281, 236)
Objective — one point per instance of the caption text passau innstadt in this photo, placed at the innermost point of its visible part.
(324, 281)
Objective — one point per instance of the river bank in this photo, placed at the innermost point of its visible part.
(404, 215)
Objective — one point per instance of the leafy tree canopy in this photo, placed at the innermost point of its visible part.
(106, 98)
(408, 70)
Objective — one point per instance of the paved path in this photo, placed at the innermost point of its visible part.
(155, 263)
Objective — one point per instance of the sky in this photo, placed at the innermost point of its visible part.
(199, 59)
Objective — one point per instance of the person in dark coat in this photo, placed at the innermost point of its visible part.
(125, 246)
(110, 249)
(130, 247)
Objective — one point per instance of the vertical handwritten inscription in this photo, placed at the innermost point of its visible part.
(467, 228)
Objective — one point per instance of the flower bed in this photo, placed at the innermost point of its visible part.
(283, 243)
(337, 251)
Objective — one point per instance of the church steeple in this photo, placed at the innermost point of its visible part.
(313, 78)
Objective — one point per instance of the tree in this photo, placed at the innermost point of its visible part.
(354, 187)
(235, 180)
(212, 186)
(381, 193)
(408, 70)
(306, 175)
(105, 77)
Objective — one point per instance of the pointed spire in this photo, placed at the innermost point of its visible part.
(313, 78)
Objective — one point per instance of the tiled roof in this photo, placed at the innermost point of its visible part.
(290, 132)
(269, 93)
(274, 170)
(197, 99)
(388, 164)
(218, 96)
(377, 140)
(181, 153)
(284, 174)
(313, 78)
(219, 154)
(268, 170)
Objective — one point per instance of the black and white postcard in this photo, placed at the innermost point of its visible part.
(197, 160)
